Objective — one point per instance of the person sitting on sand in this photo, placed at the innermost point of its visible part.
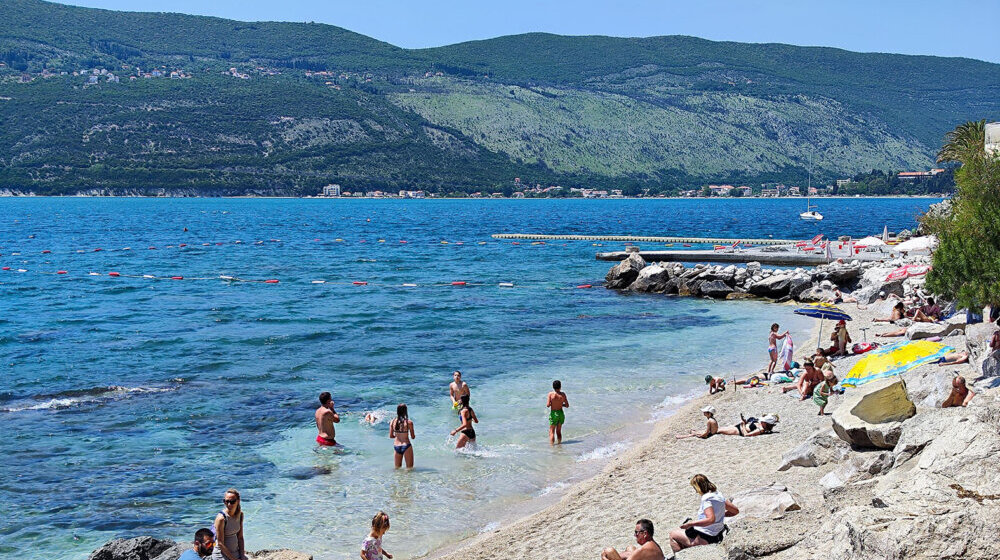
(468, 416)
(458, 389)
(326, 417)
(203, 544)
(750, 427)
(840, 338)
(772, 348)
(402, 432)
(647, 549)
(898, 314)
(711, 428)
(927, 313)
(710, 525)
(556, 402)
(819, 359)
(960, 394)
(715, 384)
(953, 358)
(806, 382)
(821, 396)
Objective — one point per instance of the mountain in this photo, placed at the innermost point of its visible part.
(88, 105)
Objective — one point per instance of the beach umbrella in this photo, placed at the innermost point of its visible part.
(885, 233)
(823, 311)
(870, 241)
(894, 359)
(908, 271)
(925, 243)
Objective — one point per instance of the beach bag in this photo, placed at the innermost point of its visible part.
(862, 347)
(787, 350)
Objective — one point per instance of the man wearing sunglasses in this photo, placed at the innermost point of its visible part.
(203, 544)
(647, 549)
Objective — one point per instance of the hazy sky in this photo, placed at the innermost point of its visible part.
(956, 28)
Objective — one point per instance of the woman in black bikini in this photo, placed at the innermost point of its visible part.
(401, 430)
(468, 416)
(750, 427)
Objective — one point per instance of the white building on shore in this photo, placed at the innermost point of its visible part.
(331, 190)
(993, 138)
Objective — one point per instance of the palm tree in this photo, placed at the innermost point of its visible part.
(964, 144)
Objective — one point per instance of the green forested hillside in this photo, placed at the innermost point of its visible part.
(87, 105)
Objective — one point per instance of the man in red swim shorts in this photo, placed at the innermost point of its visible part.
(326, 417)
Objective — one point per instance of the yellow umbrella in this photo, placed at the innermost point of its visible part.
(894, 359)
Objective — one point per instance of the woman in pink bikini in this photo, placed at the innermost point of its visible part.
(772, 347)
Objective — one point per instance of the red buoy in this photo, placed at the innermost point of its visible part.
(584, 286)
(60, 272)
(176, 277)
(115, 274)
(151, 248)
(97, 249)
(358, 283)
(46, 252)
(271, 281)
(183, 245)
(458, 283)
(6, 268)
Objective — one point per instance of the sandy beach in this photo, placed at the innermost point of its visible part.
(651, 480)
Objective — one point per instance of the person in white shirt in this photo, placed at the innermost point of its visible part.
(711, 521)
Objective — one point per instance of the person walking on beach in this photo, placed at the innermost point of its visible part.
(556, 402)
(371, 547)
(710, 430)
(458, 389)
(715, 384)
(468, 416)
(203, 543)
(401, 430)
(772, 347)
(229, 529)
(711, 522)
(326, 417)
(647, 549)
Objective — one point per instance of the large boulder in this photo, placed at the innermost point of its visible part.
(174, 552)
(857, 467)
(768, 502)
(797, 285)
(715, 289)
(651, 279)
(815, 294)
(774, 287)
(919, 331)
(818, 449)
(624, 273)
(843, 275)
(689, 287)
(137, 548)
(672, 286)
(871, 416)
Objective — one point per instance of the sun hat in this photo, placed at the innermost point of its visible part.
(709, 409)
(771, 419)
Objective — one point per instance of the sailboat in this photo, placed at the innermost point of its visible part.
(810, 214)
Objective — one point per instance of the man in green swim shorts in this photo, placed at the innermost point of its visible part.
(556, 402)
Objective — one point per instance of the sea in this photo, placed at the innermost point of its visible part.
(156, 352)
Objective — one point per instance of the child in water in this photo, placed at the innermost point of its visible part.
(371, 547)
(556, 402)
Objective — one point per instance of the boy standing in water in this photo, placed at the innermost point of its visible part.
(458, 388)
(326, 417)
(557, 401)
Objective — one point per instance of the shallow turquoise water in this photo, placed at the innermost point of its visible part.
(129, 404)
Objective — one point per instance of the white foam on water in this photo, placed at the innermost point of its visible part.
(60, 403)
(604, 452)
(489, 528)
(552, 488)
(669, 405)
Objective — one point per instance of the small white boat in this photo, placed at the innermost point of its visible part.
(811, 215)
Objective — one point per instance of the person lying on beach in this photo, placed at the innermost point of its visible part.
(401, 430)
(203, 544)
(556, 402)
(772, 348)
(715, 384)
(898, 314)
(821, 396)
(952, 358)
(326, 417)
(750, 427)
(806, 382)
(928, 313)
(960, 394)
(458, 389)
(711, 428)
(891, 334)
(468, 416)
(708, 528)
(647, 549)
(840, 297)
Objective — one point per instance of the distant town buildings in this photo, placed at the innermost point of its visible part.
(993, 138)
(331, 190)
(915, 175)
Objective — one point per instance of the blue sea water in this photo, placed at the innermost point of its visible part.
(129, 404)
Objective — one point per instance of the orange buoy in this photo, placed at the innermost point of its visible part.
(115, 274)
(458, 283)
(584, 286)
(271, 281)
(60, 272)
(359, 283)
(176, 277)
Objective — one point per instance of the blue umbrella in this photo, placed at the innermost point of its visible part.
(823, 311)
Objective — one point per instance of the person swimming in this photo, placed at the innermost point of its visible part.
(468, 417)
